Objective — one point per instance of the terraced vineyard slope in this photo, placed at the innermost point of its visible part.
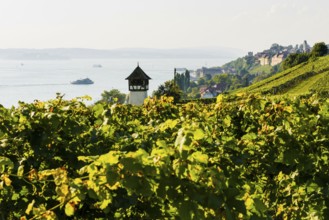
(311, 76)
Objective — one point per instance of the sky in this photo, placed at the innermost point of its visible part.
(250, 25)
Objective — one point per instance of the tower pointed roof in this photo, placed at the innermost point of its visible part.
(138, 73)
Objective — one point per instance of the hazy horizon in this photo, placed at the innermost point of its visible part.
(107, 24)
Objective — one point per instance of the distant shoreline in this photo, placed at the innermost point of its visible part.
(80, 53)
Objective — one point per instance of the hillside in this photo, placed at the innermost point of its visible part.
(301, 79)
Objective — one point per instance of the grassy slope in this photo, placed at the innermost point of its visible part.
(301, 79)
(261, 69)
(308, 84)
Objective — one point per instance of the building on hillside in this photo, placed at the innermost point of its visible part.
(207, 95)
(138, 84)
(210, 71)
(306, 47)
(278, 58)
(210, 92)
(217, 88)
(264, 59)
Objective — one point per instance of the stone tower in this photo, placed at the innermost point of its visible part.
(138, 84)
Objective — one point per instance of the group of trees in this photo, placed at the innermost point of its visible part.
(176, 88)
(319, 49)
(113, 96)
(182, 80)
(169, 88)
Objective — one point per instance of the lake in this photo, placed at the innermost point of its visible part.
(40, 80)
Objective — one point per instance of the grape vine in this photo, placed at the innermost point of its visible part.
(243, 157)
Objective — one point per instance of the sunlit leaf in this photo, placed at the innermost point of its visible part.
(111, 158)
(249, 202)
(5, 163)
(69, 209)
(20, 170)
(30, 207)
(199, 157)
(198, 134)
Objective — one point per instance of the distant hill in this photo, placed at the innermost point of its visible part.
(301, 79)
(265, 62)
(82, 53)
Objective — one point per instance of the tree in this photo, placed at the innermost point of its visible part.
(207, 76)
(169, 88)
(294, 59)
(182, 80)
(224, 80)
(113, 96)
(319, 50)
(201, 81)
(242, 72)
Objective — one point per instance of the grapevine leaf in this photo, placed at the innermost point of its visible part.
(220, 98)
(87, 159)
(168, 124)
(15, 196)
(24, 191)
(227, 121)
(69, 209)
(30, 207)
(98, 110)
(249, 136)
(111, 158)
(195, 171)
(105, 203)
(288, 109)
(249, 202)
(4, 161)
(198, 134)
(6, 180)
(20, 171)
(312, 187)
(260, 206)
(161, 143)
(199, 157)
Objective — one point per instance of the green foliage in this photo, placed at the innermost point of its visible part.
(296, 79)
(170, 89)
(243, 157)
(242, 63)
(319, 50)
(240, 73)
(266, 69)
(113, 96)
(294, 59)
(182, 80)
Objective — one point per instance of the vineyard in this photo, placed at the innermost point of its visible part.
(243, 157)
(296, 80)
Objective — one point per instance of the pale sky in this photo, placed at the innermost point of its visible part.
(251, 25)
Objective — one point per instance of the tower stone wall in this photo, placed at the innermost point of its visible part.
(137, 97)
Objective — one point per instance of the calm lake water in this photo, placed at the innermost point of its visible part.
(30, 80)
